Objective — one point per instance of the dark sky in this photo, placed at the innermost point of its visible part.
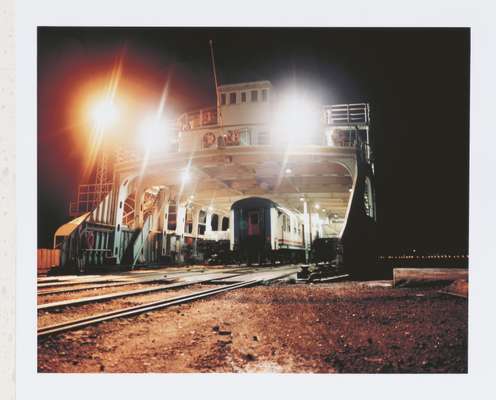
(416, 81)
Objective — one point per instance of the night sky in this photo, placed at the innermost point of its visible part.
(416, 81)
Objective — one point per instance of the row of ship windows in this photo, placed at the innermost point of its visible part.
(233, 97)
(216, 223)
(239, 137)
(248, 138)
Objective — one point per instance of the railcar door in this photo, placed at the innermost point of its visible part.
(253, 223)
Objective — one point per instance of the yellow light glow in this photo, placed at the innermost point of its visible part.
(185, 177)
(296, 119)
(103, 114)
(154, 134)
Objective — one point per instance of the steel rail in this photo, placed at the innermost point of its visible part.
(137, 280)
(110, 296)
(74, 283)
(142, 308)
(111, 278)
(122, 283)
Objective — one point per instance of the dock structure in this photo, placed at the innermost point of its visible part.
(170, 201)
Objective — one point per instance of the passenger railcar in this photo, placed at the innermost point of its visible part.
(262, 231)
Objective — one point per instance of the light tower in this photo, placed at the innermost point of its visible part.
(103, 115)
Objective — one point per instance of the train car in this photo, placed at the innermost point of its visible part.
(262, 231)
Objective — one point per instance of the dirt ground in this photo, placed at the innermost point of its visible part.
(341, 327)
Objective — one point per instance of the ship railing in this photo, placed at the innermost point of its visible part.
(89, 197)
(347, 114)
(204, 117)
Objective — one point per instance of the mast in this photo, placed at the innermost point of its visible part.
(219, 114)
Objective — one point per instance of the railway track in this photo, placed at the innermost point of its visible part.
(155, 305)
(111, 296)
(130, 280)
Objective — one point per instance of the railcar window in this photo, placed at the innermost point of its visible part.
(243, 97)
(214, 222)
(254, 95)
(232, 98)
(254, 219)
(225, 224)
(223, 99)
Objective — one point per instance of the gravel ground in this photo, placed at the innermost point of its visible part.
(63, 314)
(343, 327)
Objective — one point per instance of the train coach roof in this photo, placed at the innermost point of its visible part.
(253, 202)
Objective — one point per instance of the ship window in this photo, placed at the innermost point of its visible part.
(223, 99)
(263, 138)
(243, 97)
(254, 95)
(214, 223)
(225, 224)
(202, 222)
(232, 98)
(368, 199)
(188, 223)
(264, 94)
(244, 137)
(172, 218)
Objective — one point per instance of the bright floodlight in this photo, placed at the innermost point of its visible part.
(154, 133)
(296, 119)
(103, 114)
(185, 177)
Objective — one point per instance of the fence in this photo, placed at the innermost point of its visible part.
(47, 258)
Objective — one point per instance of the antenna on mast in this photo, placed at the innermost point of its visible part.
(219, 115)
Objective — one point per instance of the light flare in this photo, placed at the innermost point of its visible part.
(103, 113)
(154, 132)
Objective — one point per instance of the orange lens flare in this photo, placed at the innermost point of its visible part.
(103, 114)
